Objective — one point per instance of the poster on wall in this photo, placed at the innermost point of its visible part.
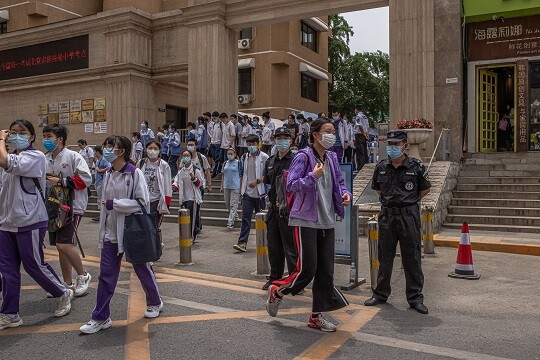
(53, 118)
(88, 128)
(43, 120)
(100, 115)
(53, 108)
(63, 106)
(75, 117)
(75, 105)
(43, 109)
(99, 104)
(87, 104)
(100, 127)
(87, 116)
(63, 118)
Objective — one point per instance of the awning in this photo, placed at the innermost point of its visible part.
(313, 72)
(246, 63)
(317, 24)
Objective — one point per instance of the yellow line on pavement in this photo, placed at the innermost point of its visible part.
(137, 341)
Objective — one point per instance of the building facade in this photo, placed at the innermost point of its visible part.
(101, 67)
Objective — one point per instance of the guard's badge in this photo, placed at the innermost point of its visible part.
(409, 185)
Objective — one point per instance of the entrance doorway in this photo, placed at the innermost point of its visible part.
(495, 99)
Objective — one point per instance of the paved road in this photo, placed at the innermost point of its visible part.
(215, 310)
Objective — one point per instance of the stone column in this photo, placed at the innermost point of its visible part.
(212, 59)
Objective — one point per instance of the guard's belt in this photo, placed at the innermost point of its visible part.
(401, 210)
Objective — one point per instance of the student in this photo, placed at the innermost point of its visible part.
(230, 185)
(247, 129)
(200, 161)
(227, 138)
(303, 132)
(102, 165)
(23, 227)
(123, 185)
(319, 195)
(253, 191)
(202, 136)
(138, 148)
(192, 134)
(188, 184)
(146, 134)
(267, 133)
(215, 131)
(86, 152)
(68, 169)
(157, 175)
(165, 143)
(173, 149)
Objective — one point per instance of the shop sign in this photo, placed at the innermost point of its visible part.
(46, 58)
(522, 114)
(495, 39)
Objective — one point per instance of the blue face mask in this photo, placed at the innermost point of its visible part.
(294, 152)
(49, 144)
(19, 141)
(394, 151)
(283, 144)
(186, 160)
(230, 157)
(109, 154)
(191, 148)
(253, 149)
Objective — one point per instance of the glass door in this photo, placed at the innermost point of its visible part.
(487, 115)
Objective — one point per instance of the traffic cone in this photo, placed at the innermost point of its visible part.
(464, 262)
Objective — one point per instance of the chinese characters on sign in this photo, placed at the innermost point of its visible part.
(522, 108)
(46, 58)
(75, 112)
(516, 37)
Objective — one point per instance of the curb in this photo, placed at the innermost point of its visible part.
(495, 247)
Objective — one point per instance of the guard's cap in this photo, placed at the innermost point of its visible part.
(283, 131)
(396, 136)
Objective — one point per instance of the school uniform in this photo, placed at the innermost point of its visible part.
(267, 132)
(189, 192)
(158, 178)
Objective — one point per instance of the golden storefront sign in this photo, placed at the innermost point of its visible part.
(87, 104)
(100, 115)
(75, 117)
(99, 104)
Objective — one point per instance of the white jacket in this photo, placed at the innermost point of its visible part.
(187, 190)
(164, 184)
(260, 162)
(117, 189)
(344, 133)
(23, 208)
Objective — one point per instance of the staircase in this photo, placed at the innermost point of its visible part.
(497, 192)
(213, 210)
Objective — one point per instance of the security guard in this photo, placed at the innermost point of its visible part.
(401, 183)
(281, 244)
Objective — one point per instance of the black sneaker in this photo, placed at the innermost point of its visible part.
(96, 219)
(240, 247)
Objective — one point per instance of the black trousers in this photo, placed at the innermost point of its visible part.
(316, 253)
(360, 143)
(405, 229)
(347, 155)
(281, 245)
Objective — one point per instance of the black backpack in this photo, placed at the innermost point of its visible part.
(58, 202)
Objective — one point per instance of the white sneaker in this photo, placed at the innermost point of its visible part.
(152, 311)
(9, 321)
(93, 326)
(321, 323)
(81, 284)
(63, 304)
(72, 287)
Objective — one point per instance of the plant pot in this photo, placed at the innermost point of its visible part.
(415, 137)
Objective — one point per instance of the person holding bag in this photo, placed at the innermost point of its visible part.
(124, 192)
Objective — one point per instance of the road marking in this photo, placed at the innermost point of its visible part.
(137, 340)
(49, 329)
(424, 348)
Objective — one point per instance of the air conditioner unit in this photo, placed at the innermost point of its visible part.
(244, 99)
(244, 44)
(4, 15)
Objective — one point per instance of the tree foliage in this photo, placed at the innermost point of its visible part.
(361, 78)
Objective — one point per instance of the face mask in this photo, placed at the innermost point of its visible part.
(230, 157)
(49, 145)
(191, 148)
(109, 154)
(143, 126)
(283, 144)
(253, 149)
(186, 160)
(19, 141)
(294, 152)
(153, 154)
(394, 151)
(256, 123)
(232, 119)
(328, 140)
(335, 118)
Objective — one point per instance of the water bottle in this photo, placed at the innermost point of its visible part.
(352, 275)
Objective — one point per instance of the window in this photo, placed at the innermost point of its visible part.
(246, 33)
(244, 81)
(309, 37)
(3, 28)
(310, 87)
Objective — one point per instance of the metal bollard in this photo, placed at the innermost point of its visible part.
(184, 241)
(427, 230)
(373, 239)
(263, 265)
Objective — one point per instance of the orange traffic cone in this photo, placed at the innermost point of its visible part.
(464, 262)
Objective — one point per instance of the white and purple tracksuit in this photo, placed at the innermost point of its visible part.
(117, 189)
(23, 227)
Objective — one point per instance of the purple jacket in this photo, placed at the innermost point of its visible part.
(303, 184)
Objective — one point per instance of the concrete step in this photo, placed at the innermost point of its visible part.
(493, 211)
(494, 220)
(499, 180)
(496, 188)
(500, 173)
(500, 195)
(500, 203)
(487, 227)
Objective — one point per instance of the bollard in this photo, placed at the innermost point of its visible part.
(263, 265)
(184, 241)
(373, 239)
(427, 230)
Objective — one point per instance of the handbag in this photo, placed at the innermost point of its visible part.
(142, 243)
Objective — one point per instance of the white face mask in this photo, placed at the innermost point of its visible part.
(328, 140)
(153, 154)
